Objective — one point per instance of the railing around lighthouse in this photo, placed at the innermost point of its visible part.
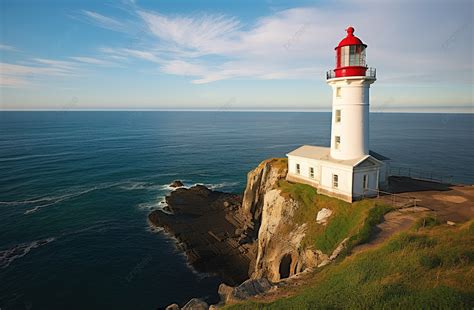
(371, 72)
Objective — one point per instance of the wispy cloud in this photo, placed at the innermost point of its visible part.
(91, 60)
(4, 47)
(36, 70)
(298, 43)
(102, 20)
(126, 53)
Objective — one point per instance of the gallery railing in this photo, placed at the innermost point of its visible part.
(370, 72)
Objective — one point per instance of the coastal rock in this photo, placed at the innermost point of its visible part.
(323, 216)
(247, 289)
(173, 307)
(278, 243)
(259, 181)
(176, 183)
(196, 304)
(205, 230)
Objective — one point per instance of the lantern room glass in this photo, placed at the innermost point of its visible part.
(351, 55)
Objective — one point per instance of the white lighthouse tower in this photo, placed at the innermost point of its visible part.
(350, 82)
(347, 169)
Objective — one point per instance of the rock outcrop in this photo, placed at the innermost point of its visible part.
(257, 239)
(260, 181)
(247, 289)
(176, 183)
(268, 213)
(204, 223)
(323, 216)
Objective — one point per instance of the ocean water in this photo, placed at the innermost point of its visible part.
(76, 188)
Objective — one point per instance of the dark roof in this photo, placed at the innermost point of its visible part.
(378, 156)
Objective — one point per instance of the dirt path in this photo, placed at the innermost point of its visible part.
(454, 203)
(394, 222)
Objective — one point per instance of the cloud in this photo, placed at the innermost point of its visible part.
(275, 47)
(4, 47)
(15, 75)
(91, 60)
(298, 43)
(103, 21)
(193, 32)
(11, 81)
(125, 53)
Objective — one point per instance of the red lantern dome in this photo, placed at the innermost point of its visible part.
(350, 56)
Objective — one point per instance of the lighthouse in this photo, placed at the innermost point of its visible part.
(348, 169)
(350, 82)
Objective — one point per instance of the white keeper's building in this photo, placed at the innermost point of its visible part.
(347, 170)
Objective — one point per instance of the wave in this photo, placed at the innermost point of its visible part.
(20, 250)
(157, 204)
(33, 210)
(130, 186)
(44, 201)
(33, 156)
(223, 185)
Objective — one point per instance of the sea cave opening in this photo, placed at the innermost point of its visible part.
(285, 265)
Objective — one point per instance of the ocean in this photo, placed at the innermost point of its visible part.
(76, 189)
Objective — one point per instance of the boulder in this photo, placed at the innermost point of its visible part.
(323, 216)
(176, 183)
(196, 304)
(249, 288)
(173, 307)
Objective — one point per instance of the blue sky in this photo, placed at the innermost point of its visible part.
(226, 55)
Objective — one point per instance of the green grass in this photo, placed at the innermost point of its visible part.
(428, 221)
(427, 269)
(355, 220)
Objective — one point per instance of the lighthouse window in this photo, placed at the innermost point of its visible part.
(337, 142)
(298, 168)
(353, 58)
(338, 116)
(311, 172)
(335, 181)
(345, 56)
(338, 92)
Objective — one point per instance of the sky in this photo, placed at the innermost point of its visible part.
(231, 55)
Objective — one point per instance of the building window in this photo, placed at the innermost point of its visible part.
(311, 172)
(335, 181)
(337, 142)
(298, 168)
(365, 181)
(338, 116)
(338, 92)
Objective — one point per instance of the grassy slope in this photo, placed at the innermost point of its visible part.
(354, 221)
(428, 267)
(431, 267)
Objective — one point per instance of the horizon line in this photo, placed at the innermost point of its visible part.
(228, 110)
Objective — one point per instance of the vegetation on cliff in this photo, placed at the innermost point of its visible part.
(354, 221)
(429, 267)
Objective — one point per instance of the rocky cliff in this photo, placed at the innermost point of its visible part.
(270, 211)
(267, 238)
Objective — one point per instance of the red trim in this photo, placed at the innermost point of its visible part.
(350, 71)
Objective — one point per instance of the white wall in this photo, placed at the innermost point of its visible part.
(354, 125)
(344, 175)
(305, 164)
